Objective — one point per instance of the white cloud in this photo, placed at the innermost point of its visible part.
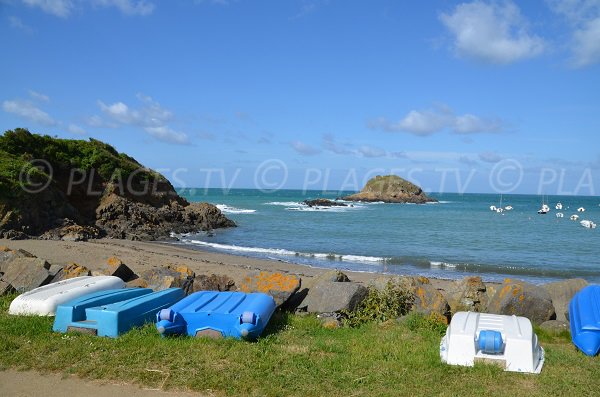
(471, 124)
(151, 117)
(168, 135)
(76, 130)
(17, 23)
(493, 33)
(59, 8)
(28, 111)
(430, 121)
(490, 157)
(371, 151)
(586, 44)
(39, 96)
(583, 16)
(128, 7)
(304, 149)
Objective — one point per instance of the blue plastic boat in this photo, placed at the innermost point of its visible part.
(218, 314)
(584, 316)
(113, 312)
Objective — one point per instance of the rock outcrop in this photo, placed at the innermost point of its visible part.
(562, 292)
(77, 190)
(468, 294)
(321, 202)
(523, 299)
(280, 286)
(390, 189)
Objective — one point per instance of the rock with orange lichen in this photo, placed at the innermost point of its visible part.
(468, 294)
(280, 286)
(115, 267)
(430, 301)
(74, 270)
(170, 276)
(515, 297)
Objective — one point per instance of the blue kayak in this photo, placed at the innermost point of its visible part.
(113, 312)
(218, 314)
(584, 316)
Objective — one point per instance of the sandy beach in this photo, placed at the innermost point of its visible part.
(140, 256)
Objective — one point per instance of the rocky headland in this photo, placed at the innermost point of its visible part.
(391, 189)
(65, 189)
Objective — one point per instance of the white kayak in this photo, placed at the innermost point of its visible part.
(43, 301)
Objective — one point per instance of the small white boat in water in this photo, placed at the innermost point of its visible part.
(559, 206)
(580, 209)
(508, 208)
(499, 210)
(574, 217)
(493, 208)
(544, 210)
(560, 215)
(588, 224)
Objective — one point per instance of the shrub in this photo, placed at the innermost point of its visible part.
(393, 302)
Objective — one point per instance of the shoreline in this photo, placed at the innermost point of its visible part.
(142, 255)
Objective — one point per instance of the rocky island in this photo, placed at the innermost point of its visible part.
(75, 190)
(391, 189)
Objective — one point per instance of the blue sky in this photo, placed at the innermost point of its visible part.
(456, 96)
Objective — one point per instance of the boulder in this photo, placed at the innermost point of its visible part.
(562, 292)
(213, 283)
(334, 276)
(468, 294)
(330, 297)
(431, 302)
(522, 299)
(25, 274)
(280, 286)
(137, 283)
(555, 327)
(73, 270)
(7, 255)
(6, 288)
(170, 276)
(321, 202)
(115, 267)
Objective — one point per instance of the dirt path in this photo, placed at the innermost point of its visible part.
(33, 384)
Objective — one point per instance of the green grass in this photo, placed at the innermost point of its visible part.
(295, 358)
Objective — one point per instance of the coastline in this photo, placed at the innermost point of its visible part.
(142, 255)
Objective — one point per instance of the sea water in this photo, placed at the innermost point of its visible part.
(455, 237)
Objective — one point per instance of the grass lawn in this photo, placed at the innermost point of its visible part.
(296, 357)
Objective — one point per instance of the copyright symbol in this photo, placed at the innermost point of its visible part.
(506, 176)
(29, 177)
(270, 175)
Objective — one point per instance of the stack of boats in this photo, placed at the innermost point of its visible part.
(102, 306)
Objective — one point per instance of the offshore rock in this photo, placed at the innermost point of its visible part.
(391, 189)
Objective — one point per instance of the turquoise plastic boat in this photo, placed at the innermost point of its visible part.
(584, 316)
(218, 314)
(111, 313)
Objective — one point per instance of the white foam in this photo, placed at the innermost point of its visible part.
(447, 265)
(233, 210)
(284, 252)
(284, 203)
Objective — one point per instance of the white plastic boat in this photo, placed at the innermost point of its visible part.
(508, 208)
(580, 209)
(559, 206)
(560, 215)
(43, 301)
(574, 217)
(588, 224)
(507, 341)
